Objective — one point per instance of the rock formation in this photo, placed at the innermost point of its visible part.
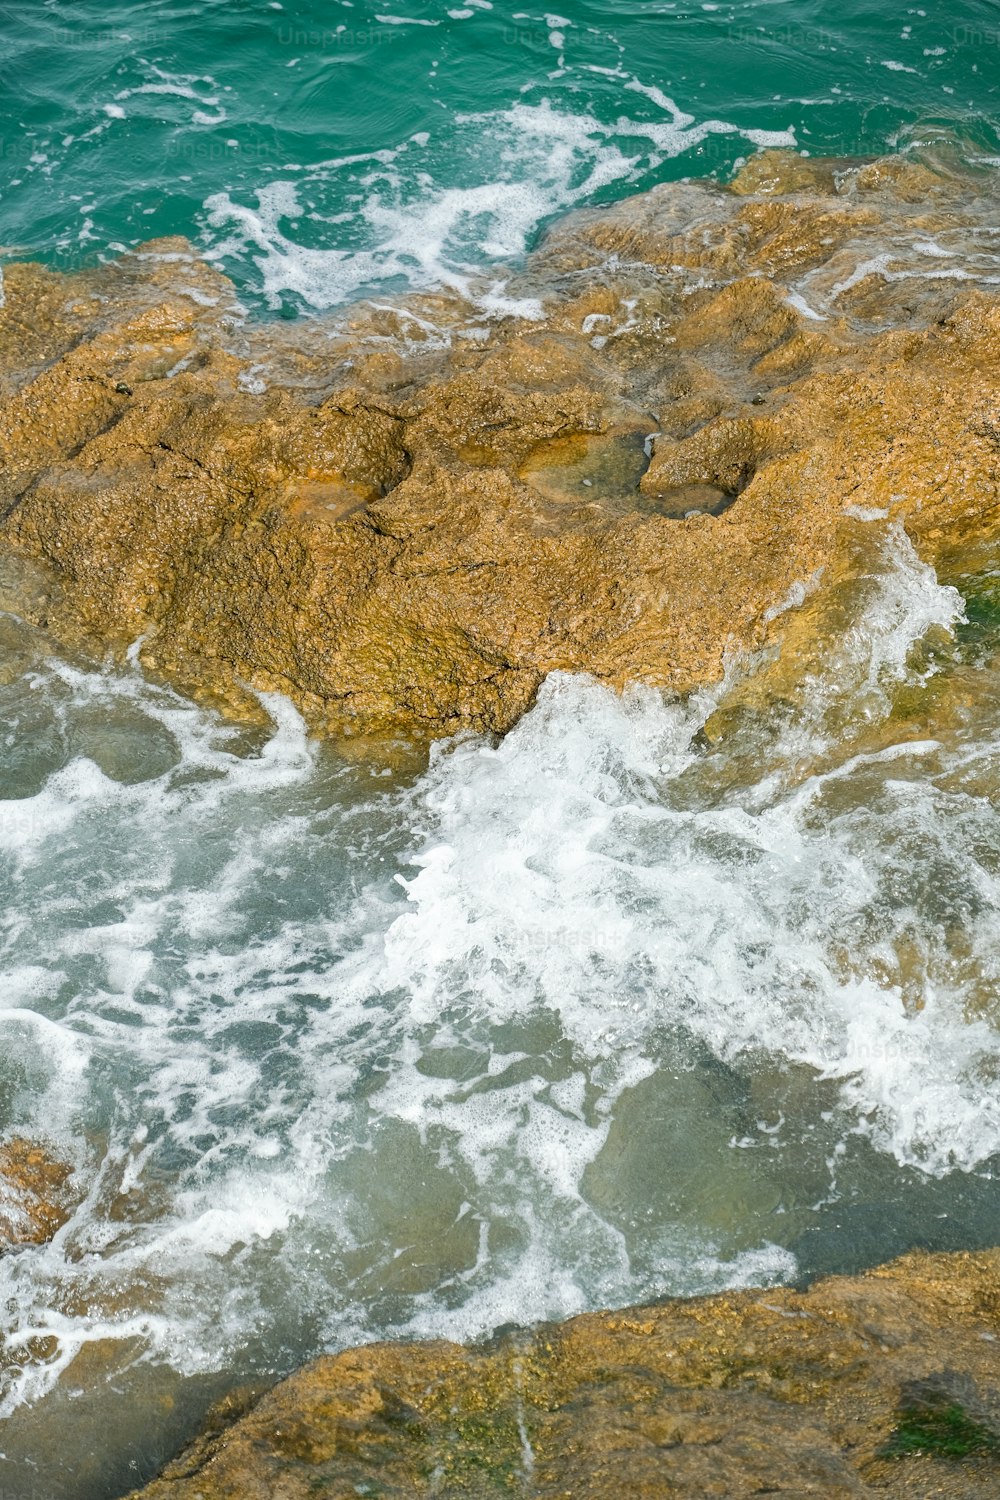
(405, 517)
(884, 1384)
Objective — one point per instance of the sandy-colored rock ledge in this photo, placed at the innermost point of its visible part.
(405, 518)
(884, 1384)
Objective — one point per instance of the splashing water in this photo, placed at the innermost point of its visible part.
(623, 1006)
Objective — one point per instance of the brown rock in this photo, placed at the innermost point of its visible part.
(33, 1197)
(884, 1384)
(412, 517)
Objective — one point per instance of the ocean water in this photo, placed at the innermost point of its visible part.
(652, 997)
(322, 149)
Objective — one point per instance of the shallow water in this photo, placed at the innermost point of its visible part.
(323, 150)
(652, 997)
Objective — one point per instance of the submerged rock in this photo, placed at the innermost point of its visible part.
(882, 1384)
(33, 1202)
(406, 517)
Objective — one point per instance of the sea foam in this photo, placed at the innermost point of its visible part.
(424, 219)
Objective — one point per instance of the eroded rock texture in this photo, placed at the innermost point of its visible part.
(884, 1384)
(405, 518)
(33, 1194)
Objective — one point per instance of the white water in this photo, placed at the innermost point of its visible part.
(596, 1014)
(423, 218)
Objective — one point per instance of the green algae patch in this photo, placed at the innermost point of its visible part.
(933, 1423)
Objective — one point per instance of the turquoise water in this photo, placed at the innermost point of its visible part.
(320, 150)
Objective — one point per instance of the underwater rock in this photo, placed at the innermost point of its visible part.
(32, 1194)
(881, 1384)
(405, 517)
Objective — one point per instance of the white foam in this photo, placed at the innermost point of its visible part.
(198, 88)
(931, 247)
(679, 117)
(796, 300)
(520, 166)
(565, 915)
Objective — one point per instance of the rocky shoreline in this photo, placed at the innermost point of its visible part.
(883, 1384)
(887, 1383)
(406, 517)
(715, 400)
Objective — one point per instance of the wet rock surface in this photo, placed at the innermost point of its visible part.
(883, 1384)
(33, 1194)
(406, 517)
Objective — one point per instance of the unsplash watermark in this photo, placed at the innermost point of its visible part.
(21, 148)
(810, 37)
(976, 36)
(105, 37)
(202, 148)
(22, 823)
(351, 38)
(535, 38)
